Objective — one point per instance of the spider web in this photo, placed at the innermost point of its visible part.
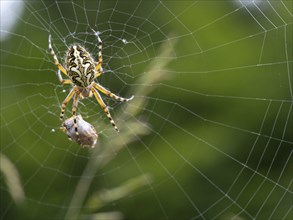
(219, 124)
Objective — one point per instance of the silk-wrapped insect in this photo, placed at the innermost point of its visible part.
(87, 134)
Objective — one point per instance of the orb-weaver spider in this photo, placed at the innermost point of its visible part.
(82, 70)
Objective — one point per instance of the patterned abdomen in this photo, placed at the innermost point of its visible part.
(80, 66)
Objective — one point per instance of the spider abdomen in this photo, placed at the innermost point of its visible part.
(80, 66)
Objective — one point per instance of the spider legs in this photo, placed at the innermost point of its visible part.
(56, 62)
(99, 72)
(100, 62)
(74, 107)
(101, 102)
(110, 94)
(63, 81)
(104, 107)
(65, 102)
(74, 92)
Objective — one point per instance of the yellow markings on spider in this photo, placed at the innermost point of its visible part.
(82, 70)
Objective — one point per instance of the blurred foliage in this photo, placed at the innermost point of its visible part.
(219, 123)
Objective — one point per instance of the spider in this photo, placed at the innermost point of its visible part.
(82, 70)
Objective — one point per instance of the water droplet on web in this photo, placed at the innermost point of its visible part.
(97, 33)
(124, 41)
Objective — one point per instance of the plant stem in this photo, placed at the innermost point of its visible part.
(81, 190)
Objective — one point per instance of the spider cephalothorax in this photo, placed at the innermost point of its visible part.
(82, 70)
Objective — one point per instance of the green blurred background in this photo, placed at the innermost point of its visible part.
(219, 141)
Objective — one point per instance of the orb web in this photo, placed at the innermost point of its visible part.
(218, 140)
